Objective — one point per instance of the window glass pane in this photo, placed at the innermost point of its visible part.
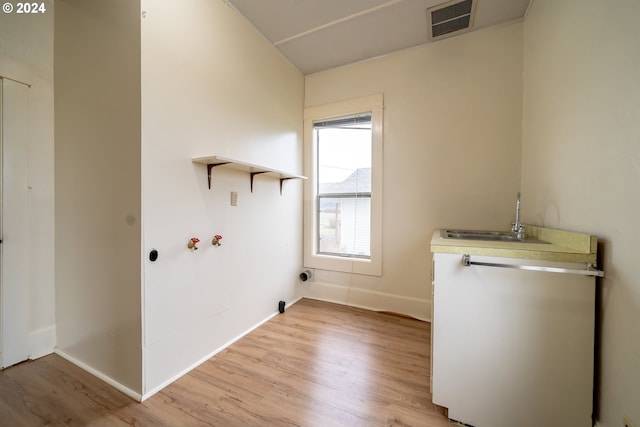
(344, 186)
(344, 157)
(344, 226)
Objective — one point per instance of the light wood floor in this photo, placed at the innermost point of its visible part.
(318, 364)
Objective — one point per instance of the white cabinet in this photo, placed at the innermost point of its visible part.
(512, 347)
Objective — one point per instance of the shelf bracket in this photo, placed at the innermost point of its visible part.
(209, 167)
(254, 174)
(282, 180)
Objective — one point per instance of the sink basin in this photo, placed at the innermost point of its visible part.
(490, 236)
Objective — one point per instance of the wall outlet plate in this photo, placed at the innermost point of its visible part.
(626, 422)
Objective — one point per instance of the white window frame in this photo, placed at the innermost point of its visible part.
(312, 259)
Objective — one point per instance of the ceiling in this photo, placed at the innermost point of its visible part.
(315, 35)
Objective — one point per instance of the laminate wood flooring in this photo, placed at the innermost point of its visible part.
(317, 364)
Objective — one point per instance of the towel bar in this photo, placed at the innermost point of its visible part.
(590, 269)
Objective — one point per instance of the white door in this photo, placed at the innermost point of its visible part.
(14, 231)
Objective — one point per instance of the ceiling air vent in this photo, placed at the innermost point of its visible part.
(450, 18)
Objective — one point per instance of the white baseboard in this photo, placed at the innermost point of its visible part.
(185, 371)
(113, 383)
(371, 300)
(42, 342)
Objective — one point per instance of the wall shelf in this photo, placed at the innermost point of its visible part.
(252, 169)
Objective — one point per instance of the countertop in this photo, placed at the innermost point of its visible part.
(562, 246)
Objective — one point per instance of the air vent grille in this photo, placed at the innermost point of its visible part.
(450, 18)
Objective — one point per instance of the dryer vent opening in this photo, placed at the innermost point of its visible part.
(450, 18)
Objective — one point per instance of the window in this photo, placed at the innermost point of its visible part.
(344, 186)
(343, 197)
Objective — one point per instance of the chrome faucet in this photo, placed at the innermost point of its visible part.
(517, 227)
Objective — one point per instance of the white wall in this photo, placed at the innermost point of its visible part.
(26, 54)
(98, 186)
(452, 132)
(212, 85)
(581, 157)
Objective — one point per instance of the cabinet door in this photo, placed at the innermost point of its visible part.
(512, 347)
(431, 284)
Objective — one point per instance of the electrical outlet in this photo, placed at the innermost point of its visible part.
(626, 422)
